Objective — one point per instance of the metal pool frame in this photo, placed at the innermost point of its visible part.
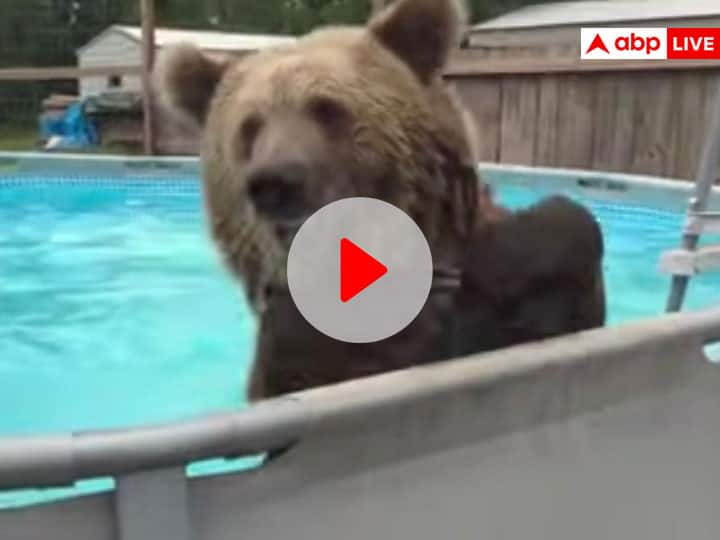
(611, 433)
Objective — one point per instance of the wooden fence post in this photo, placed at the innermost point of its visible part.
(147, 14)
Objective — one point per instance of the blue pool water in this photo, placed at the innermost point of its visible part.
(115, 310)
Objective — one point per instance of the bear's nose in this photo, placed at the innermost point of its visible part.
(278, 191)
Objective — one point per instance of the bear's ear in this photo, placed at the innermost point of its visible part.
(186, 80)
(423, 33)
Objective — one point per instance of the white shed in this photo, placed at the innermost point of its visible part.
(121, 46)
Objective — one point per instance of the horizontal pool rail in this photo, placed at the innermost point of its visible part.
(61, 460)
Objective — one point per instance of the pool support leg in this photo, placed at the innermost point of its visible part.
(153, 505)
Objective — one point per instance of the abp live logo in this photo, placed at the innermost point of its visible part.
(623, 43)
(650, 43)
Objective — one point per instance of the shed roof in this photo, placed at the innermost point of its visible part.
(208, 40)
(599, 12)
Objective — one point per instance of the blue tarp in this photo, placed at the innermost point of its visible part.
(71, 130)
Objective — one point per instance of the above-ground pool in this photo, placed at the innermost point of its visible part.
(115, 310)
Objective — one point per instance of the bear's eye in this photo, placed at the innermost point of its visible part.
(249, 131)
(328, 112)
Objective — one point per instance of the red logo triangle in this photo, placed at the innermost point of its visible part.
(597, 43)
(358, 270)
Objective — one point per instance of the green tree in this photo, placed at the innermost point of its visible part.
(303, 15)
(48, 32)
(485, 9)
(249, 15)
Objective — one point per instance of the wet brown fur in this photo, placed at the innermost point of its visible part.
(406, 140)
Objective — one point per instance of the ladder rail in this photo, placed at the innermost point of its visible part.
(703, 223)
(704, 180)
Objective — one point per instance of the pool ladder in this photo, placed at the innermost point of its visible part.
(690, 259)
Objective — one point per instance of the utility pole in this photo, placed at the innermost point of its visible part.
(147, 15)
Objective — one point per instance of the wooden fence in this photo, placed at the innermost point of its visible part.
(640, 117)
(64, 73)
(647, 119)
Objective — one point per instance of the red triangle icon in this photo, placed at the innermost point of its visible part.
(597, 43)
(358, 270)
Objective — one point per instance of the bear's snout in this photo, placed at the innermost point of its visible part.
(278, 191)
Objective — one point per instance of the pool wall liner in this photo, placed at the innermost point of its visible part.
(612, 433)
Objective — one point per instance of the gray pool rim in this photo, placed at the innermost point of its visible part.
(671, 194)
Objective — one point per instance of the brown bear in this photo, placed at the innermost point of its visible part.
(349, 112)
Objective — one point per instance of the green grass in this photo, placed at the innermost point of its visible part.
(18, 138)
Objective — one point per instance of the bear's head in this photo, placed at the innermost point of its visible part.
(343, 112)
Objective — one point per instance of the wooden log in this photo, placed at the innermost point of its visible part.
(147, 11)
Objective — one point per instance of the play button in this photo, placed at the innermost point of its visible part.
(359, 270)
